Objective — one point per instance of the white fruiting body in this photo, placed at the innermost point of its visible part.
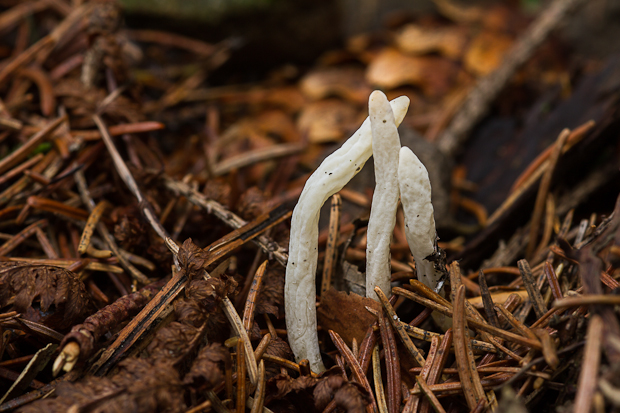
(385, 150)
(300, 288)
(415, 195)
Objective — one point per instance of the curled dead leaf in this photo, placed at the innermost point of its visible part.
(486, 52)
(252, 203)
(275, 123)
(288, 98)
(172, 341)
(417, 40)
(61, 295)
(192, 259)
(327, 120)
(346, 314)
(201, 301)
(345, 82)
(271, 294)
(139, 386)
(283, 384)
(207, 370)
(391, 69)
(350, 396)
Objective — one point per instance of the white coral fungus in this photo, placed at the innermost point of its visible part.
(300, 288)
(385, 149)
(415, 195)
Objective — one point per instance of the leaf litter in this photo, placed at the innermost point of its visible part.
(139, 291)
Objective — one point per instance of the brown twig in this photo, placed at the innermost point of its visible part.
(21, 168)
(593, 299)
(411, 348)
(262, 346)
(356, 369)
(50, 205)
(14, 242)
(489, 370)
(550, 216)
(414, 401)
(376, 375)
(172, 39)
(35, 140)
(241, 390)
(456, 388)
(80, 342)
(430, 396)
(87, 199)
(487, 301)
(331, 249)
(588, 376)
(66, 263)
(46, 244)
(91, 223)
(426, 335)
(392, 364)
(256, 156)
(368, 343)
(250, 303)
(543, 190)
(552, 279)
(472, 388)
(549, 351)
(282, 362)
(530, 180)
(222, 213)
(539, 165)
(532, 289)
(259, 394)
(507, 335)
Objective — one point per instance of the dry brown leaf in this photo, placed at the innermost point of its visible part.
(192, 259)
(486, 51)
(289, 99)
(345, 82)
(346, 314)
(325, 389)
(140, 386)
(417, 40)
(50, 286)
(130, 229)
(218, 189)
(326, 120)
(207, 370)
(350, 396)
(271, 294)
(201, 302)
(252, 203)
(391, 69)
(172, 341)
(275, 123)
(283, 384)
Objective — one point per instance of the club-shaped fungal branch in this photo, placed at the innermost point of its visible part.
(300, 288)
(415, 195)
(385, 151)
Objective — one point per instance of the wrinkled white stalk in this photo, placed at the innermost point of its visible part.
(385, 150)
(300, 288)
(415, 195)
